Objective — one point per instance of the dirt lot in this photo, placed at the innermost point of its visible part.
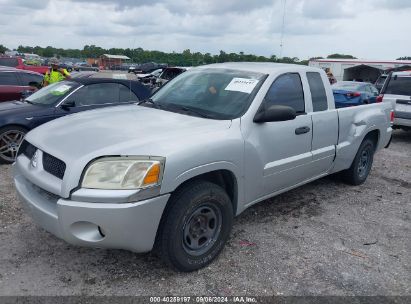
(325, 238)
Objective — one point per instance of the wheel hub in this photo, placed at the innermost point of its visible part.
(10, 142)
(364, 162)
(201, 230)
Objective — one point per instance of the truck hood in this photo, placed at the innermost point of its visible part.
(122, 130)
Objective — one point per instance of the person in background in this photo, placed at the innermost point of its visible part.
(55, 74)
(330, 76)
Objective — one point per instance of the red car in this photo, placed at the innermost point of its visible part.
(16, 84)
(17, 62)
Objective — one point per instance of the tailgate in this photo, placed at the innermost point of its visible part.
(403, 108)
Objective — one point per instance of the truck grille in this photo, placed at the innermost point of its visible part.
(53, 165)
(27, 149)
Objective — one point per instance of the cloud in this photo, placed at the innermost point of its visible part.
(19, 7)
(121, 4)
(320, 9)
(393, 4)
(312, 27)
(215, 7)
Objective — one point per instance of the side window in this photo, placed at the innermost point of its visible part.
(368, 89)
(97, 94)
(8, 78)
(10, 62)
(126, 95)
(286, 90)
(374, 90)
(318, 94)
(26, 78)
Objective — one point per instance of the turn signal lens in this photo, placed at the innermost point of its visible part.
(153, 175)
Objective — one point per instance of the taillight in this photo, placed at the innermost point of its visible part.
(392, 116)
(379, 98)
(354, 94)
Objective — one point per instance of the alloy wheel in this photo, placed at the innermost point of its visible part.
(10, 142)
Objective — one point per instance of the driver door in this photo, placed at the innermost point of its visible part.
(284, 147)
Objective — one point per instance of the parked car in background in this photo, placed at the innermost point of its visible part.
(17, 62)
(60, 99)
(132, 68)
(172, 173)
(397, 91)
(169, 73)
(67, 66)
(83, 66)
(150, 77)
(380, 82)
(83, 74)
(16, 84)
(148, 67)
(351, 93)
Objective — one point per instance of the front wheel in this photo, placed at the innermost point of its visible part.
(361, 166)
(10, 140)
(195, 227)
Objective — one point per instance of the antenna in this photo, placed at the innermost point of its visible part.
(282, 29)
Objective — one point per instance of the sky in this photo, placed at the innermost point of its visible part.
(367, 29)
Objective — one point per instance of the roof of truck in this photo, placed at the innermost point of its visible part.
(259, 67)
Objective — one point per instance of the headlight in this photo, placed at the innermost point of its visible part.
(124, 173)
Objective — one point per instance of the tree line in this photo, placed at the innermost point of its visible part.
(185, 58)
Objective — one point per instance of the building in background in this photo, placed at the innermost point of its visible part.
(108, 61)
(358, 69)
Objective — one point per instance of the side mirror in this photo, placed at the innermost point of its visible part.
(275, 113)
(26, 93)
(68, 104)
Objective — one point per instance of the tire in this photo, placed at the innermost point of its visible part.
(181, 242)
(361, 166)
(10, 139)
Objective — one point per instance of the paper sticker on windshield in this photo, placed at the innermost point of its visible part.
(61, 90)
(242, 85)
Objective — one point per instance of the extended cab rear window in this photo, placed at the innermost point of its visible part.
(317, 89)
(399, 85)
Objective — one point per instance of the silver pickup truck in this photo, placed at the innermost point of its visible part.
(170, 173)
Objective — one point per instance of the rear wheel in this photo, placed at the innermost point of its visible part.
(361, 166)
(195, 227)
(11, 138)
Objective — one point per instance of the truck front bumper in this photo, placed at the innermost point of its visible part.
(130, 226)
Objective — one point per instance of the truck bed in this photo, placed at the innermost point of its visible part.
(354, 123)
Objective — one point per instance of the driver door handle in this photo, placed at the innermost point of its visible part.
(302, 130)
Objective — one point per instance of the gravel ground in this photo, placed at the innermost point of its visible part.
(325, 238)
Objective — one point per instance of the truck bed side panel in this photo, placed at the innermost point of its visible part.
(354, 124)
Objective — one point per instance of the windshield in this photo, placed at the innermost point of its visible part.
(349, 86)
(399, 86)
(52, 93)
(215, 93)
(381, 80)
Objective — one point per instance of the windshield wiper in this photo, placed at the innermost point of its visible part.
(148, 100)
(190, 110)
(25, 100)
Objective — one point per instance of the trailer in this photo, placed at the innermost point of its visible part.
(358, 69)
